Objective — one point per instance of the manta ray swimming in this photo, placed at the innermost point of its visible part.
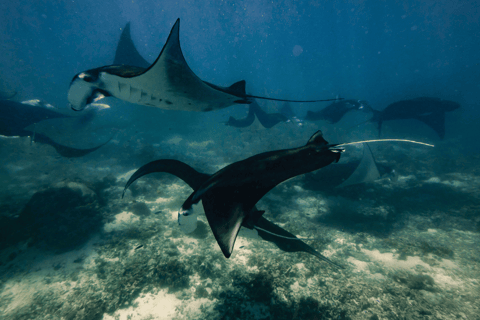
(16, 117)
(168, 83)
(266, 230)
(430, 111)
(229, 195)
(335, 111)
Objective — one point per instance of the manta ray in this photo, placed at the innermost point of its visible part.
(335, 111)
(168, 83)
(16, 118)
(267, 230)
(430, 111)
(229, 196)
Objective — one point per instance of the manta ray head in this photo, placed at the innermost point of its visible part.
(85, 89)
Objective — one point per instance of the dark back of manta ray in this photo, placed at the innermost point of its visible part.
(17, 116)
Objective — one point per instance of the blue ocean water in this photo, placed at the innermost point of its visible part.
(407, 236)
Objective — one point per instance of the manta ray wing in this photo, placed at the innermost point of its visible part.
(179, 169)
(436, 121)
(224, 217)
(242, 123)
(127, 53)
(17, 116)
(66, 151)
(287, 241)
(366, 170)
(268, 120)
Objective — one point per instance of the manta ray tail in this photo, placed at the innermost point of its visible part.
(288, 100)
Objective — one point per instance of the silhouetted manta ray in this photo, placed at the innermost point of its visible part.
(229, 195)
(430, 111)
(168, 83)
(335, 111)
(15, 117)
(266, 229)
(242, 123)
(267, 120)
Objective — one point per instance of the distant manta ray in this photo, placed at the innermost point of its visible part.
(229, 195)
(335, 111)
(430, 111)
(168, 83)
(15, 117)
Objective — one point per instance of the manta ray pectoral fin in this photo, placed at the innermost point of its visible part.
(287, 241)
(436, 121)
(192, 177)
(366, 170)
(126, 53)
(225, 219)
(317, 138)
(66, 151)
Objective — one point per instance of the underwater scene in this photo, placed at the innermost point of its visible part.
(239, 159)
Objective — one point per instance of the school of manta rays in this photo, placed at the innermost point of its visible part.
(229, 196)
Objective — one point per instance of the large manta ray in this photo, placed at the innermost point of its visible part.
(229, 195)
(15, 117)
(430, 111)
(168, 83)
